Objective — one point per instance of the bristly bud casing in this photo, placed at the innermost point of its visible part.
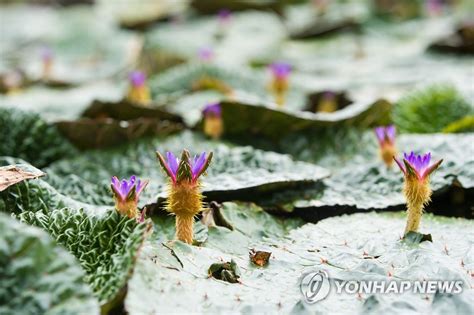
(417, 190)
(184, 189)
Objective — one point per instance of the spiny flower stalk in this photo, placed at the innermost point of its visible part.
(328, 102)
(386, 139)
(417, 170)
(205, 54)
(47, 58)
(184, 195)
(138, 91)
(126, 195)
(213, 124)
(279, 85)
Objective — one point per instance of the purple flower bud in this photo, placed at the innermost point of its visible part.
(137, 78)
(434, 7)
(418, 165)
(186, 167)
(46, 54)
(212, 110)
(329, 95)
(385, 135)
(206, 54)
(224, 16)
(280, 70)
(123, 190)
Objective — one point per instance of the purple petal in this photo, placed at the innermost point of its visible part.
(140, 186)
(212, 109)
(390, 132)
(420, 163)
(198, 164)
(137, 78)
(172, 162)
(124, 187)
(280, 70)
(224, 15)
(205, 54)
(46, 53)
(379, 132)
(115, 182)
(400, 165)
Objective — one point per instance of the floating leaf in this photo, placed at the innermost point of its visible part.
(175, 276)
(39, 277)
(235, 172)
(27, 136)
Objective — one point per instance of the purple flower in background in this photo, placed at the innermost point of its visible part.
(434, 7)
(280, 70)
(127, 189)
(46, 54)
(206, 54)
(417, 165)
(212, 110)
(329, 95)
(137, 78)
(186, 168)
(385, 135)
(224, 16)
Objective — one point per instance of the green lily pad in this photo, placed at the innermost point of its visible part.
(104, 51)
(26, 136)
(312, 20)
(104, 242)
(231, 43)
(185, 78)
(62, 104)
(251, 103)
(269, 120)
(141, 14)
(102, 133)
(106, 246)
(173, 276)
(39, 277)
(213, 7)
(235, 172)
(364, 183)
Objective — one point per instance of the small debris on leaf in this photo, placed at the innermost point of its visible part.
(259, 258)
(227, 271)
(10, 175)
(416, 238)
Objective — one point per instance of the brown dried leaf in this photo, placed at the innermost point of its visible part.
(259, 258)
(10, 175)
